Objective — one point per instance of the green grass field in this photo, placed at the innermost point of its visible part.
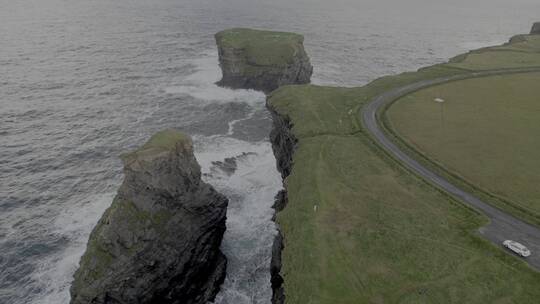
(359, 228)
(487, 132)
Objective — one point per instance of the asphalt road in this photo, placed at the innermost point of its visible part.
(502, 225)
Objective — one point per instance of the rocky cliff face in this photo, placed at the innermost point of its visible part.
(283, 145)
(535, 28)
(159, 241)
(262, 60)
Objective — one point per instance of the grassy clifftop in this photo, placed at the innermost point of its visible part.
(359, 228)
(262, 47)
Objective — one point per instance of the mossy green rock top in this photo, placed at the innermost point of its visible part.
(159, 145)
(165, 140)
(262, 60)
(159, 241)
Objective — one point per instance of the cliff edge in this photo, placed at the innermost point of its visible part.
(159, 240)
(262, 60)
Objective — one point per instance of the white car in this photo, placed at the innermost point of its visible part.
(517, 248)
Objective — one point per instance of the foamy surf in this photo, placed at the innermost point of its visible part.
(201, 84)
(250, 188)
(55, 274)
(250, 231)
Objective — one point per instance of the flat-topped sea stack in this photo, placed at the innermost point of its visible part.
(535, 29)
(262, 60)
(159, 240)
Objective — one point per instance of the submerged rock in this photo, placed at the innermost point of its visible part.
(262, 60)
(536, 28)
(159, 241)
(228, 166)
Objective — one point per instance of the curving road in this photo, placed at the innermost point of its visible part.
(502, 225)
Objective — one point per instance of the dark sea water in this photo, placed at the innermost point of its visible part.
(83, 81)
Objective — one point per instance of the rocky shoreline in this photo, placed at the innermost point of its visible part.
(159, 241)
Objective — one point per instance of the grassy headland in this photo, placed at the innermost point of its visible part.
(359, 228)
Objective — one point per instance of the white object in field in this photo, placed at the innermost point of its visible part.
(439, 100)
(315, 208)
(517, 248)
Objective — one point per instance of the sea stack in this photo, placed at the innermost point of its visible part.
(262, 60)
(535, 29)
(159, 240)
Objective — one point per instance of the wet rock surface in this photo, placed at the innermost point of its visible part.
(159, 241)
(228, 165)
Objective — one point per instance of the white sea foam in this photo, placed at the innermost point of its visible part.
(234, 122)
(251, 189)
(201, 84)
(250, 231)
(75, 224)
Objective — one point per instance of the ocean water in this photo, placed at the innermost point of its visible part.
(83, 81)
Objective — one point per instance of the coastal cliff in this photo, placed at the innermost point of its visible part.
(262, 60)
(159, 241)
(283, 145)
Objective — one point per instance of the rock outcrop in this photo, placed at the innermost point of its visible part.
(159, 241)
(262, 60)
(535, 29)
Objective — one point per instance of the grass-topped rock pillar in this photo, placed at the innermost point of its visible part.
(262, 60)
(159, 240)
